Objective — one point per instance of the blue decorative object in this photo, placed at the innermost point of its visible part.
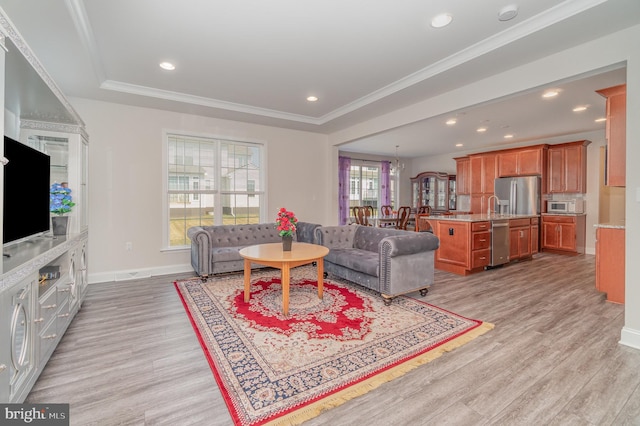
(60, 201)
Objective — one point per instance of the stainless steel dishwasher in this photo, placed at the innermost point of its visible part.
(499, 242)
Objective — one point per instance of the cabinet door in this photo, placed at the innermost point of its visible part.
(462, 176)
(5, 354)
(616, 141)
(477, 203)
(22, 344)
(555, 175)
(524, 242)
(508, 164)
(573, 169)
(535, 237)
(514, 246)
(530, 162)
(476, 172)
(415, 194)
(489, 173)
(454, 242)
(550, 234)
(567, 236)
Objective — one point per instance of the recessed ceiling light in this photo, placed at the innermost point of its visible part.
(459, 144)
(600, 120)
(551, 93)
(441, 20)
(508, 12)
(451, 122)
(508, 136)
(312, 98)
(481, 129)
(167, 66)
(580, 108)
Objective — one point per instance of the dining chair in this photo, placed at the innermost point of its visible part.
(356, 214)
(424, 210)
(368, 213)
(386, 210)
(403, 217)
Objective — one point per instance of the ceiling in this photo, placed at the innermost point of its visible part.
(257, 61)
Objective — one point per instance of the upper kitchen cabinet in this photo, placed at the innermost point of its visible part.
(567, 167)
(521, 162)
(482, 172)
(616, 134)
(463, 182)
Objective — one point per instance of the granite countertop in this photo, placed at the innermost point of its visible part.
(611, 225)
(480, 217)
(564, 214)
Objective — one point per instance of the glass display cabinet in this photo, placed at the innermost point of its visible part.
(433, 189)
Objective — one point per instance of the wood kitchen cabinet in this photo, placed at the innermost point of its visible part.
(567, 167)
(564, 233)
(463, 183)
(616, 134)
(610, 261)
(465, 247)
(483, 172)
(521, 162)
(519, 239)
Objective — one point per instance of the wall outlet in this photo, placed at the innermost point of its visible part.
(128, 246)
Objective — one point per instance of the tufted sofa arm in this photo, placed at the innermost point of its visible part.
(390, 261)
(409, 244)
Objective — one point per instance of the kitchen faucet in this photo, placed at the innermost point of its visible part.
(489, 204)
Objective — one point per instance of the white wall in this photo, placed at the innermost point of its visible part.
(126, 185)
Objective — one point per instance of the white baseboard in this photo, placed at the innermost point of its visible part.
(139, 273)
(630, 337)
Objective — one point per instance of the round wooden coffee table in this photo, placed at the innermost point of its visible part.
(272, 255)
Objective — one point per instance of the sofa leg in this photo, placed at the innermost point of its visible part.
(387, 300)
(424, 291)
(325, 275)
(204, 278)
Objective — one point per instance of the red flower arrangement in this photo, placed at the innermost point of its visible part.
(286, 222)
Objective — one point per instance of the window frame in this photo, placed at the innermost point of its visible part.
(216, 191)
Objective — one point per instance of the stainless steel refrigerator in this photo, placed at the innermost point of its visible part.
(517, 195)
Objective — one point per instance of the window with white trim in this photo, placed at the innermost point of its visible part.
(211, 181)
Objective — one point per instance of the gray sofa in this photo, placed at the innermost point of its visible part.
(389, 261)
(214, 249)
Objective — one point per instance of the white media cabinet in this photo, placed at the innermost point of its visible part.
(43, 280)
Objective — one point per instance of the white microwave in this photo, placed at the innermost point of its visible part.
(565, 206)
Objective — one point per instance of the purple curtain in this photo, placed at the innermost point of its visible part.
(385, 183)
(344, 168)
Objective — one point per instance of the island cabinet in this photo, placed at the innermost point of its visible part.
(465, 247)
(610, 263)
(616, 134)
(521, 162)
(567, 167)
(463, 182)
(564, 233)
(482, 172)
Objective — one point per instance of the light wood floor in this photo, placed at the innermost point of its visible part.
(130, 357)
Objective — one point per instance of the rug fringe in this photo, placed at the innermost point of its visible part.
(313, 410)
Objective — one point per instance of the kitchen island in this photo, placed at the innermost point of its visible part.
(466, 240)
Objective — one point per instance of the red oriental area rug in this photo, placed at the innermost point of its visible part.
(273, 369)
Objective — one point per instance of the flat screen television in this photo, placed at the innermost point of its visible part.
(26, 192)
